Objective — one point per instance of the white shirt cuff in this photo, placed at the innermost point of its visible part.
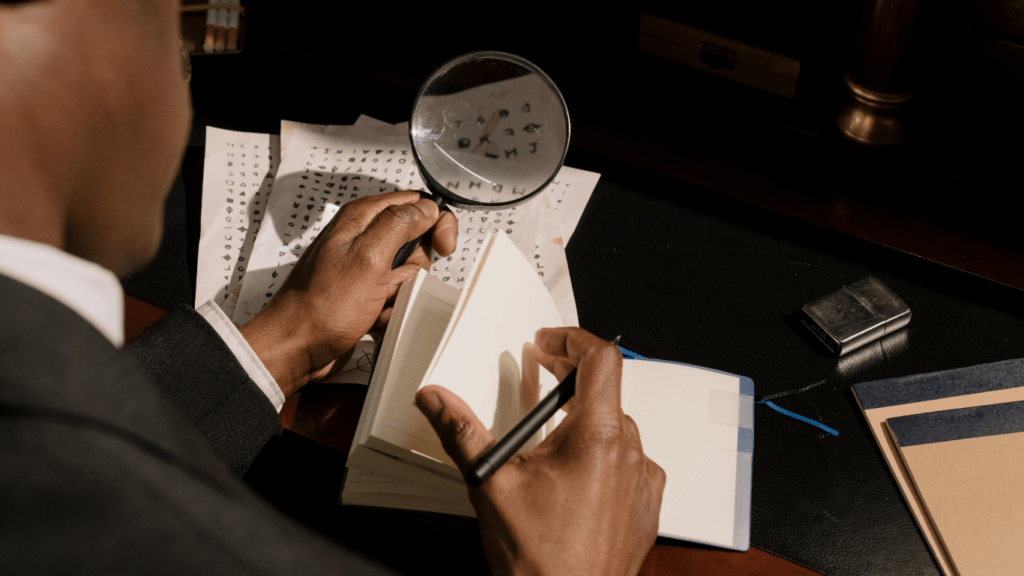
(240, 348)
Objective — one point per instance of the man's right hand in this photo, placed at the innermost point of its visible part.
(587, 499)
(343, 284)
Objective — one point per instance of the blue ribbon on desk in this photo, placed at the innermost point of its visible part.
(763, 401)
(785, 412)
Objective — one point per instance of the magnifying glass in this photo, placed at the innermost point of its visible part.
(489, 130)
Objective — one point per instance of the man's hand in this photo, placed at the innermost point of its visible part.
(587, 499)
(343, 284)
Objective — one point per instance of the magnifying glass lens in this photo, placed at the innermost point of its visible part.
(489, 129)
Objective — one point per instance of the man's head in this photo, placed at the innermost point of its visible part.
(94, 116)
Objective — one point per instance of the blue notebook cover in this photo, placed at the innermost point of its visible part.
(945, 384)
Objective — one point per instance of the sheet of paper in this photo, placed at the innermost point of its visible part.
(238, 177)
(568, 194)
(566, 197)
(241, 267)
(229, 199)
(322, 168)
(372, 158)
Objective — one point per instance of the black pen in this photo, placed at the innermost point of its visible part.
(509, 444)
(488, 464)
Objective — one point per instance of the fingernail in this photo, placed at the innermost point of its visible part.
(427, 206)
(429, 403)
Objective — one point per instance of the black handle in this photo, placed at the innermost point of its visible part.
(404, 251)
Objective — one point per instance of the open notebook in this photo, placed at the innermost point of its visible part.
(694, 422)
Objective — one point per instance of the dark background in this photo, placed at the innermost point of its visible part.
(680, 271)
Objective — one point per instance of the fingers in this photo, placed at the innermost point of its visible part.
(569, 342)
(653, 475)
(350, 223)
(378, 225)
(359, 213)
(463, 436)
(382, 320)
(656, 476)
(422, 255)
(445, 234)
(400, 275)
(598, 363)
(529, 388)
(394, 226)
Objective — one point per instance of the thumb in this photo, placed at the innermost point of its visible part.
(462, 434)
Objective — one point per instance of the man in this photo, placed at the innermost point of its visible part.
(115, 463)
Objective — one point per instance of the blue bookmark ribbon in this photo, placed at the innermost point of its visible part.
(629, 354)
(796, 416)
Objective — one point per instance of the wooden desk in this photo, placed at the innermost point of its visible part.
(328, 416)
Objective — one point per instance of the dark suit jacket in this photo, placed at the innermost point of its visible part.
(128, 463)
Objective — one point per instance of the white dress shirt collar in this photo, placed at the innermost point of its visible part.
(87, 288)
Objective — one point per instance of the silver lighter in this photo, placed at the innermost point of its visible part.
(856, 315)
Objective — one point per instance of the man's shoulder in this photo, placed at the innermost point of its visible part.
(102, 472)
(58, 367)
(43, 340)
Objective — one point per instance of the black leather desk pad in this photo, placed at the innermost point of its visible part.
(689, 275)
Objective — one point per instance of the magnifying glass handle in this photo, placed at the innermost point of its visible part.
(404, 251)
